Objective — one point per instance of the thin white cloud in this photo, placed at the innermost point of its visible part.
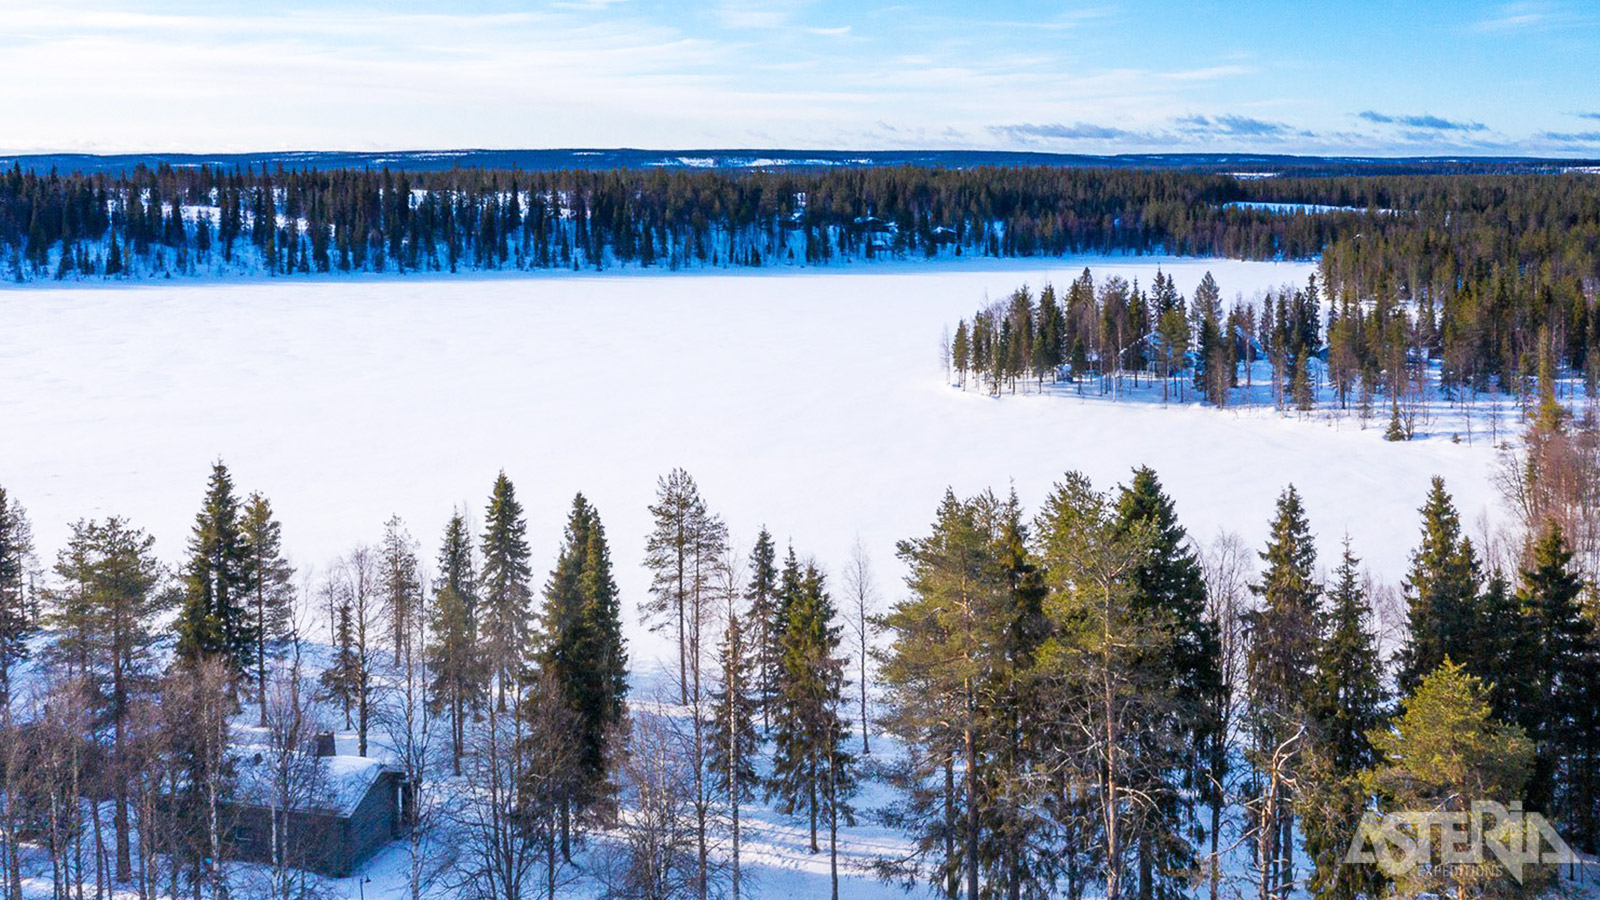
(1526, 16)
(586, 5)
(759, 14)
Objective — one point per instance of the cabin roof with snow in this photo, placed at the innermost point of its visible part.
(339, 788)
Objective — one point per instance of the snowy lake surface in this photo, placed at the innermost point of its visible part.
(813, 402)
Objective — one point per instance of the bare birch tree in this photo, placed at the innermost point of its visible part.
(861, 603)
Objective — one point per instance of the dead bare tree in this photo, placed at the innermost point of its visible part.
(196, 705)
(289, 776)
(498, 847)
(408, 721)
(1227, 568)
(11, 780)
(861, 601)
(552, 782)
(656, 855)
(52, 787)
(1271, 828)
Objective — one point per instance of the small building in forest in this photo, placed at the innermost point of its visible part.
(345, 809)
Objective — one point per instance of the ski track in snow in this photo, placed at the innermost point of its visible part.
(814, 404)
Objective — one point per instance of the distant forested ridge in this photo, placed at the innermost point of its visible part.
(198, 221)
(1515, 247)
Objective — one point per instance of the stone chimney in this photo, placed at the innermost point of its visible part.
(324, 744)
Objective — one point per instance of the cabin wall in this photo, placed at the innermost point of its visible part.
(327, 844)
(376, 820)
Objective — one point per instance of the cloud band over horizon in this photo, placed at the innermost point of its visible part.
(1118, 76)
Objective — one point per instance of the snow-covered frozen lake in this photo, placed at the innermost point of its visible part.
(810, 401)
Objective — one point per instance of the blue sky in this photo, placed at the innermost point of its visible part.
(1400, 77)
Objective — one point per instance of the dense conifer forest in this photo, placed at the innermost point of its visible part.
(1518, 241)
(1384, 359)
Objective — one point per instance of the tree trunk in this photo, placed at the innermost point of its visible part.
(362, 713)
(119, 813)
(833, 822)
(952, 873)
(812, 810)
(566, 830)
(866, 729)
(970, 750)
(457, 730)
(1145, 872)
(261, 650)
(1216, 828)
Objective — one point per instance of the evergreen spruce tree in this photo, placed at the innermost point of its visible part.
(607, 651)
(961, 351)
(1559, 670)
(1014, 804)
(271, 603)
(1345, 704)
(1279, 667)
(1441, 592)
(1169, 596)
(1207, 329)
(1050, 345)
(1503, 635)
(810, 767)
(763, 626)
(504, 594)
(454, 655)
(341, 682)
(16, 548)
(1300, 386)
(217, 583)
(1396, 429)
(582, 657)
(401, 583)
(789, 588)
(1579, 803)
(732, 732)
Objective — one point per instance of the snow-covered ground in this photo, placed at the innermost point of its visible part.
(813, 402)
